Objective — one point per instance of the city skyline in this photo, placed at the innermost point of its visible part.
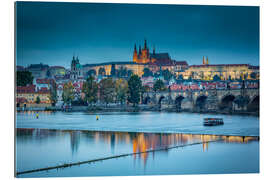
(51, 33)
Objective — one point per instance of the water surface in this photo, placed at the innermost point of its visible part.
(140, 122)
(39, 148)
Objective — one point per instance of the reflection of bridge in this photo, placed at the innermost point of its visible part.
(234, 99)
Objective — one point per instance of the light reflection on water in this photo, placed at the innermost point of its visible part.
(38, 148)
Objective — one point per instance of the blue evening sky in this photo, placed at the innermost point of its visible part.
(51, 32)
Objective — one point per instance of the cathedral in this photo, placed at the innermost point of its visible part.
(145, 57)
(76, 69)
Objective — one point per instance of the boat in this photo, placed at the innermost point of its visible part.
(213, 121)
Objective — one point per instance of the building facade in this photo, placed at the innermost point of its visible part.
(208, 71)
(27, 96)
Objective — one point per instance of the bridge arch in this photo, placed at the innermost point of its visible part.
(178, 102)
(241, 101)
(146, 100)
(254, 104)
(227, 102)
(161, 98)
(200, 102)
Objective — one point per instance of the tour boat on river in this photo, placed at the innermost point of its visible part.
(213, 121)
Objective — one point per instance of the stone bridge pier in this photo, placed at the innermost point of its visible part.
(205, 100)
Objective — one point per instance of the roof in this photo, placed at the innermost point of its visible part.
(183, 63)
(45, 81)
(38, 66)
(160, 56)
(19, 68)
(109, 63)
(26, 89)
(212, 65)
(254, 67)
(57, 67)
(21, 100)
(43, 90)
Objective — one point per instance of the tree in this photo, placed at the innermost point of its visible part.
(24, 78)
(53, 93)
(106, 90)
(38, 100)
(121, 89)
(180, 77)
(216, 78)
(129, 73)
(159, 86)
(90, 89)
(122, 72)
(253, 75)
(147, 72)
(68, 92)
(167, 74)
(91, 72)
(101, 71)
(134, 89)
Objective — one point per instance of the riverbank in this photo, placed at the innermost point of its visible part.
(139, 108)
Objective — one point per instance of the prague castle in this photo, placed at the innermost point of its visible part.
(142, 58)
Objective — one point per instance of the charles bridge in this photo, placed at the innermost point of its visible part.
(205, 100)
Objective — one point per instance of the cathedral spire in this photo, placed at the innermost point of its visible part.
(203, 61)
(140, 50)
(145, 44)
(135, 48)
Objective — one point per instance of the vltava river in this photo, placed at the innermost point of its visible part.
(140, 122)
(58, 138)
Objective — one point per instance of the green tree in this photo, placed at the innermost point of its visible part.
(121, 89)
(68, 93)
(159, 86)
(129, 73)
(91, 72)
(147, 72)
(101, 71)
(216, 78)
(53, 93)
(106, 90)
(90, 89)
(134, 89)
(180, 77)
(253, 75)
(38, 100)
(24, 78)
(122, 72)
(167, 74)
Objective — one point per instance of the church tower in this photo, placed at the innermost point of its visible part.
(135, 55)
(207, 60)
(203, 61)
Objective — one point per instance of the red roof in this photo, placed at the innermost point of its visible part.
(43, 90)
(44, 81)
(26, 89)
(183, 63)
(21, 100)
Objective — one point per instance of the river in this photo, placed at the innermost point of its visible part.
(57, 138)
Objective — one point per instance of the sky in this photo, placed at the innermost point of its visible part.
(52, 32)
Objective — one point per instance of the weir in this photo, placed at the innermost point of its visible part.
(110, 157)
